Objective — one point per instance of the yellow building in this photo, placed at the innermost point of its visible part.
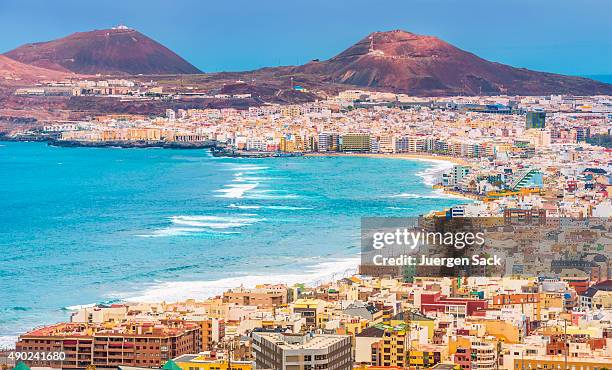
(203, 361)
(504, 331)
(357, 142)
(394, 349)
(425, 357)
(414, 319)
(353, 327)
(549, 301)
(149, 134)
(287, 145)
(110, 135)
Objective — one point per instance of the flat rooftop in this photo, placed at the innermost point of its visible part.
(317, 341)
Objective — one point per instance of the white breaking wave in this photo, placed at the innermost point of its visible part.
(246, 180)
(243, 206)
(442, 194)
(79, 306)
(432, 175)
(409, 195)
(271, 196)
(7, 342)
(250, 178)
(181, 290)
(236, 190)
(437, 194)
(214, 222)
(278, 208)
(194, 224)
(173, 231)
(288, 208)
(248, 167)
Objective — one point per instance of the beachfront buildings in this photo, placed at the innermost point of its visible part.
(539, 173)
(108, 346)
(517, 153)
(266, 296)
(368, 322)
(356, 143)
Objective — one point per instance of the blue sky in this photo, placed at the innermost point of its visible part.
(563, 36)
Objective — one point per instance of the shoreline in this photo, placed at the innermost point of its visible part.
(169, 291)
(413, 156)
(130, 144)
(124, 144)
(212, 144)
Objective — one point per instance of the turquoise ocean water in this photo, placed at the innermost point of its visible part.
(80, 226)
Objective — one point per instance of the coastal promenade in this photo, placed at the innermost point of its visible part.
(413, 156)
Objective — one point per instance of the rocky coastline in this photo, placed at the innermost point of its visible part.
(132, 144)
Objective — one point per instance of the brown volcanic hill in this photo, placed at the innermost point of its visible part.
(425, 65)
(14, 72)
(113, 51)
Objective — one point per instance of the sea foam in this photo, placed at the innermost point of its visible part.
(7, 342)
(181, 290)
(184, 225)
(236, 190)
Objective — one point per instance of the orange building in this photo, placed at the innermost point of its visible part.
(105, 346)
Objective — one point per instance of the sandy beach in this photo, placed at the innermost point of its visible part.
(417, 156)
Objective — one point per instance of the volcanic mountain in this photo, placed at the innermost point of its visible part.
(113, 51)
(424, 65)
(14, 71)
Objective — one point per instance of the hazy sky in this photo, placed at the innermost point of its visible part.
(564, 36)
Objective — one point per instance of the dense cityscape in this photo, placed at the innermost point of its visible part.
(356, 321)
(526, 157)
(524, 153)
(322, 189)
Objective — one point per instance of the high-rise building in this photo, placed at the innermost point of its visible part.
(536, 120)
(397, 346)
(386, 144)
(455, 176)
(328, 142)
(281, 351)
(581, 133)
(359, 143)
